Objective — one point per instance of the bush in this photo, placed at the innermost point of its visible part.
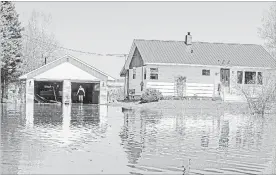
(260, 98)
(151, 95)
(115, 94)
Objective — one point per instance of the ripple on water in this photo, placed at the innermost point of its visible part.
(159, 139)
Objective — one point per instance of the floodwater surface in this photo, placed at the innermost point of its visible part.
(93, 139)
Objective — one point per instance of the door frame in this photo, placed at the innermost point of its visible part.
(225, 77)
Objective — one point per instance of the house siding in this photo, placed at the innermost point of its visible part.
(192, 73)
(136, 83)
(137, 64)
(196, 83)
(266, 74)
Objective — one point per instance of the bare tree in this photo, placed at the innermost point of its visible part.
(39, 42)
(260, 96)
(268, 30)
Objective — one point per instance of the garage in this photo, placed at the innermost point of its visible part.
(60, 80)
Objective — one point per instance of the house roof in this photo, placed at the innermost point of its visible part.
(203, 53)
(68, 58)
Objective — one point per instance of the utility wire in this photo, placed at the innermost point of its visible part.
(74, 50)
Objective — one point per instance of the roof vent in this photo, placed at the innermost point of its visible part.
(188, 40)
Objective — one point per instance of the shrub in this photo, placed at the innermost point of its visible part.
(260, 98)
(115, 94)
(151, 95)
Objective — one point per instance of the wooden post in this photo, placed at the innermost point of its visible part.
(66, 93)
(103, 92)
(274, 162)
(125, 85)
(22, 91)
(30, 91)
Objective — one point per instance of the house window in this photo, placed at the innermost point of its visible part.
(260, 78)
(206, 72)
(134, 73)
(239, 77)
(154, 76)
(153, 69)
(250, 77)
(145, 73)
(154, 73)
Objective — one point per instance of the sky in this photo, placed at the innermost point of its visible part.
(110, 27)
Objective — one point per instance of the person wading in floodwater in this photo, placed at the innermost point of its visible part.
(81, 94)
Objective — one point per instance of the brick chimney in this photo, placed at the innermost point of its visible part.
(188, 40)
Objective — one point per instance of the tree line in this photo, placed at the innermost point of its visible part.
(24, 48)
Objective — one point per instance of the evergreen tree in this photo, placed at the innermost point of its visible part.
(11, 45)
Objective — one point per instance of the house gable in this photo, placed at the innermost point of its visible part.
(58, 67)
(136, 60)
(66, 71)
(134, 52)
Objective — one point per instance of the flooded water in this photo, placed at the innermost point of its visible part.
(82, 139)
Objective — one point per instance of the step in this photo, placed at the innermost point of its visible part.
(237, 163)
(240, 171)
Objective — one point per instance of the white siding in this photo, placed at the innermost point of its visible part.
(66, 71)
(135, 83)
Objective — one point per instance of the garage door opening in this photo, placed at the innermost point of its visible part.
(47, 91)
(91, 90)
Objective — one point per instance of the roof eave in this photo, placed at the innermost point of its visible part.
(123, 72)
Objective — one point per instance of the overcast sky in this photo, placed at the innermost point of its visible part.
(110, 27)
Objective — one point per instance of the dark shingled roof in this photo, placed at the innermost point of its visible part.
(201, 53)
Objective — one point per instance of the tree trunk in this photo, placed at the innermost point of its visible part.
(3, 88)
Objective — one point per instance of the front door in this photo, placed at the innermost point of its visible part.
(225, 77)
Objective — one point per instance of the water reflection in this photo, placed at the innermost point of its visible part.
(11, 138)
(66, 133)
(85, 115)
(161, 139)
(67, 137)
(29, 114)
(224, 135)
(205, 140)
(132, 136)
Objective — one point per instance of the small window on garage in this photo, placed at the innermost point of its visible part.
(206, 72)
(250, 77)
(260, 78)
(239, 77)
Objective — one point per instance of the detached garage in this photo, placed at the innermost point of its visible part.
(60, 80)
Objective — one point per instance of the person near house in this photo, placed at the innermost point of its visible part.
(81, 94)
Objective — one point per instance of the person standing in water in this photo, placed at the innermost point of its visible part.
(81, 94)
